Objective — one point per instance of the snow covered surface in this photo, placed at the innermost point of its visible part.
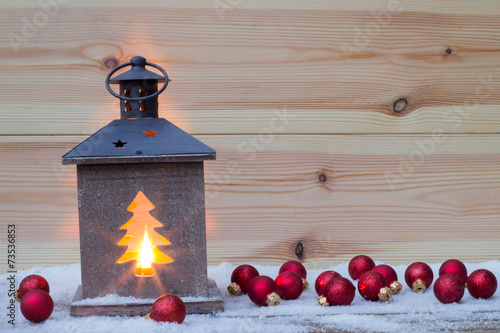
(117, 299)
(407, 312)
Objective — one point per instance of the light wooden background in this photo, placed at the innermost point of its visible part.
(297, 98)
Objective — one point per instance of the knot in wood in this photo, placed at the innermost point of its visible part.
(110, 62)
(399, 105)
(322, 178)
(299, 251)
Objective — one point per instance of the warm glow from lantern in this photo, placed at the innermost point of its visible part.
(142, 239)
(146, 255)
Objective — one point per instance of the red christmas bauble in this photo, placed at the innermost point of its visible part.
(359, 265)
(29, 283)
(290, 284)
(391, 276)
(240, 279)
(262, 290)
(419, 276)
(482, 284)
(168, 308)
(297, 268)
(37, 305)
(323, 279)
(449, 288)
(387, 271)
(373, 286)
(339, 291)
(454, 266)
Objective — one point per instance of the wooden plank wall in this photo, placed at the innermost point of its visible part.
(346, 126)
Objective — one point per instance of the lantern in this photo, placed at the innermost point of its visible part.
(141, 204)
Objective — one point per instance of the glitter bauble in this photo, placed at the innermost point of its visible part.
(482, 284)
(373, 286)
(419, 276)
(240, 279)
(449, 288)
(323, 279)
(339, 291)
(359, 265)
(168, 308)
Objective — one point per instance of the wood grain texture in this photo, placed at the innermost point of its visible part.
(265, 198)
(335, 67)
(297, 98)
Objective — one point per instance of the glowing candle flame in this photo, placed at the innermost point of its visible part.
(146, 255)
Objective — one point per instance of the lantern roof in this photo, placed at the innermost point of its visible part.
(137, 72)
(139, 141)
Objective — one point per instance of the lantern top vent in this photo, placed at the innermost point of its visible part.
(137, 72)
(139, 136)
(138, 88)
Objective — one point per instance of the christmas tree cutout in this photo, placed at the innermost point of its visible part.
(141, 238)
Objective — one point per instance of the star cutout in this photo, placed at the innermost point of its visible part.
(120, 144)
(150, 133)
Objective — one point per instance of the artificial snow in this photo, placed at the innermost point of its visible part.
(407, 312)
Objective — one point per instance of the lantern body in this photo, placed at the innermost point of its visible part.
(141, 199)
(177, 191)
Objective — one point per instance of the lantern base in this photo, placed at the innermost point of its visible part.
(213, 303)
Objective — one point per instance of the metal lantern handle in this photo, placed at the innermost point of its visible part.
(133, 99)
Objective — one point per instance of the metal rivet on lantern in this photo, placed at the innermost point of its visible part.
(137, 195)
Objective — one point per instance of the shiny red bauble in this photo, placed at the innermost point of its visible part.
(168, 308)
(387, 271)
(323, 279)
(290, 285)
(339, 291)
(482, 284)
(240, 279)
(454, 266)
(373, 286)
(262, 290)
(391, 276)
(29, 283)
(297, 268)
(37, 305)
(419, 276)
(449, 288)
(360, 265)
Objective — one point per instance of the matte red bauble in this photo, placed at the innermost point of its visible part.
(29, 283)
(37, 305)
(290, 284)
(262, 290)
(338, 291)
(454, 266)
(419, 276)
(391, 276)
(240, 279)
(482, 284)
(359, 265)
(373, 286)
(297, 268)
(449, 288)
(168, 308)
(323, 279)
